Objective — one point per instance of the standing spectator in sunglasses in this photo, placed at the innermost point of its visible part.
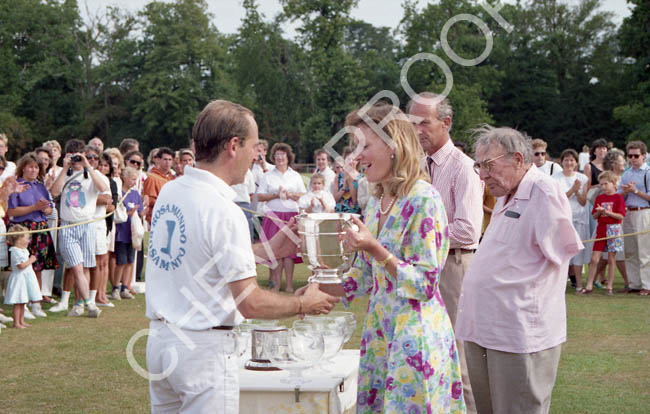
(101, 240)
(540, 160)
(79, 186)
(636, 192)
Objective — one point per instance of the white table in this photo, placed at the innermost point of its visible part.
(334, 393)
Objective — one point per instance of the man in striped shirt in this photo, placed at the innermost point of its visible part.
(460, 187)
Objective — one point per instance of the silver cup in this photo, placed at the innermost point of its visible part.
(321, 240)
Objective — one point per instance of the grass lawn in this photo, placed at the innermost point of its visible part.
(66, 365)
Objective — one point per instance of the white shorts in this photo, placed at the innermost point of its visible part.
(584, 255)
(101, 245)
(205, 379)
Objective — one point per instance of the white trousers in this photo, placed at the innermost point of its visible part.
(637, 248)
(205, 379)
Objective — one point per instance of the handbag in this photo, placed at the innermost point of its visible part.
(137, 232)
(120, 215)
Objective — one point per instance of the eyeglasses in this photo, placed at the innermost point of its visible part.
(138, 163)
(487, 164)
(92, 157)
(537, 154)
(634, 155)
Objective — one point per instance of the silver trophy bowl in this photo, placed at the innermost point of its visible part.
(321, 242)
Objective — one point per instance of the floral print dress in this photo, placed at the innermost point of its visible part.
(408, 361)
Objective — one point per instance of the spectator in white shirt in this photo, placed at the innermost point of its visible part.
(261, 166)
(323, 167)
(540, 159)
(575, 186)
(281, 188)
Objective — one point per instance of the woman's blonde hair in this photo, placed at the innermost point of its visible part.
(407, 163)
(129, 172)
(53, 143)
(114, 152)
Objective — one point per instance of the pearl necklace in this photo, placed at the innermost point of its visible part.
(381, 199)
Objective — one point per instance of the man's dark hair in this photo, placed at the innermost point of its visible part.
(74, 145)
(164, 150)
(131, 153)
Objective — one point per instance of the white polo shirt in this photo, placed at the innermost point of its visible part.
(199, 243)
(550, 168)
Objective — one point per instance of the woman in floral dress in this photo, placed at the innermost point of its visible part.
(408, 357)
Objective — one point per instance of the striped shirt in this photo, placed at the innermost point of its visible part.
(452, 174)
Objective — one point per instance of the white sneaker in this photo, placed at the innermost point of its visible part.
(106, 305)
(125, 294)
(5, 319)
(38, 311)
(77, 310)
(28, 314)
(93, 312)
(59, 307)
(115, 294)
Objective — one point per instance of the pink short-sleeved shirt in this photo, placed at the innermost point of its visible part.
(512, 298)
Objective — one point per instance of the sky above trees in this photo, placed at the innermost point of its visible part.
(229, 13)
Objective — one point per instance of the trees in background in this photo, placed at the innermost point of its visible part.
(634, 37)
(564, 73)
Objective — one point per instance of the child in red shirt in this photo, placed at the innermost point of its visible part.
(609, 210)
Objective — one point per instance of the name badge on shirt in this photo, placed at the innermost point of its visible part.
(512, 214)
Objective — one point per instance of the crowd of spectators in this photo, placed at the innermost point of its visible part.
(64, 194)
(81, 212)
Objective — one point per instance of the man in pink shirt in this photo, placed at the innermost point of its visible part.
(462, 194)
(511, 313)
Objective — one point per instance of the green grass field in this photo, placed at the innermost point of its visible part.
(66, 365)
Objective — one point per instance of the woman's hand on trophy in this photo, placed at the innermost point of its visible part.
(357, 236)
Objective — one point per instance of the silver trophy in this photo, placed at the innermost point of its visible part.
(321, 240)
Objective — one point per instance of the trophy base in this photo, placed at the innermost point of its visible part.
(260, 365)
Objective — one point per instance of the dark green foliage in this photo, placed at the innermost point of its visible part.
(564, 73)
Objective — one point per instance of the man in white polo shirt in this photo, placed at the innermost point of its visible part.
(323, 167)
(201, 271)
